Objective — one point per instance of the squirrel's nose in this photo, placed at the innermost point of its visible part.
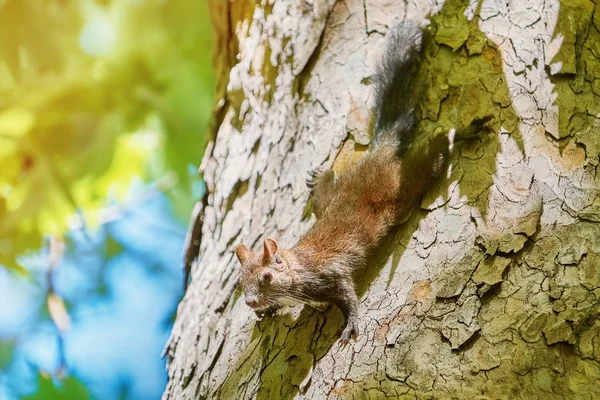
(251, 302)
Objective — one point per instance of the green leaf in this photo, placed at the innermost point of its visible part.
(7, 347)
(67, 388)
(111, 247)
(75, 128)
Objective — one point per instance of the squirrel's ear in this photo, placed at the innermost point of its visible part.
(243, 254)
(270, 248)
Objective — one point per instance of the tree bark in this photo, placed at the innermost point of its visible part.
(489, 289)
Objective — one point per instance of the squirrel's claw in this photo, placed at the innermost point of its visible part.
(351, 331)
(266, 313)
(313, 176)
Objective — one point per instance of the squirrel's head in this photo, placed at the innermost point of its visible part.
(266, 279)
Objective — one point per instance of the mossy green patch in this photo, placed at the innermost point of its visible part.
(462, 74)
(576, 81)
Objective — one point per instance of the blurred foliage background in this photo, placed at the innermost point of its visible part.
(104, 105)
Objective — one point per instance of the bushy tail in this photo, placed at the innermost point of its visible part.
(394, 121)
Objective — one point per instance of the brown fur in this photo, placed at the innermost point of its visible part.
(356, 211)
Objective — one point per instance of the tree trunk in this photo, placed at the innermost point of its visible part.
(490, 288)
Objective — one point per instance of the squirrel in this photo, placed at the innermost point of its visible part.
(356, 210)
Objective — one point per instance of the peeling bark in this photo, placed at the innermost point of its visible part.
(490, 289)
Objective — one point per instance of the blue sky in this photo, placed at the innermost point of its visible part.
(121, 304)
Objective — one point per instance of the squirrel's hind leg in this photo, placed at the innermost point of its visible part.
(321, 183)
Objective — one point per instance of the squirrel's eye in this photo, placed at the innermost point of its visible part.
(267, 277)
(278, 259)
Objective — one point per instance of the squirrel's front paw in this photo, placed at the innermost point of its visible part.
(351, 331)
(260, 314)
(267, 312)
